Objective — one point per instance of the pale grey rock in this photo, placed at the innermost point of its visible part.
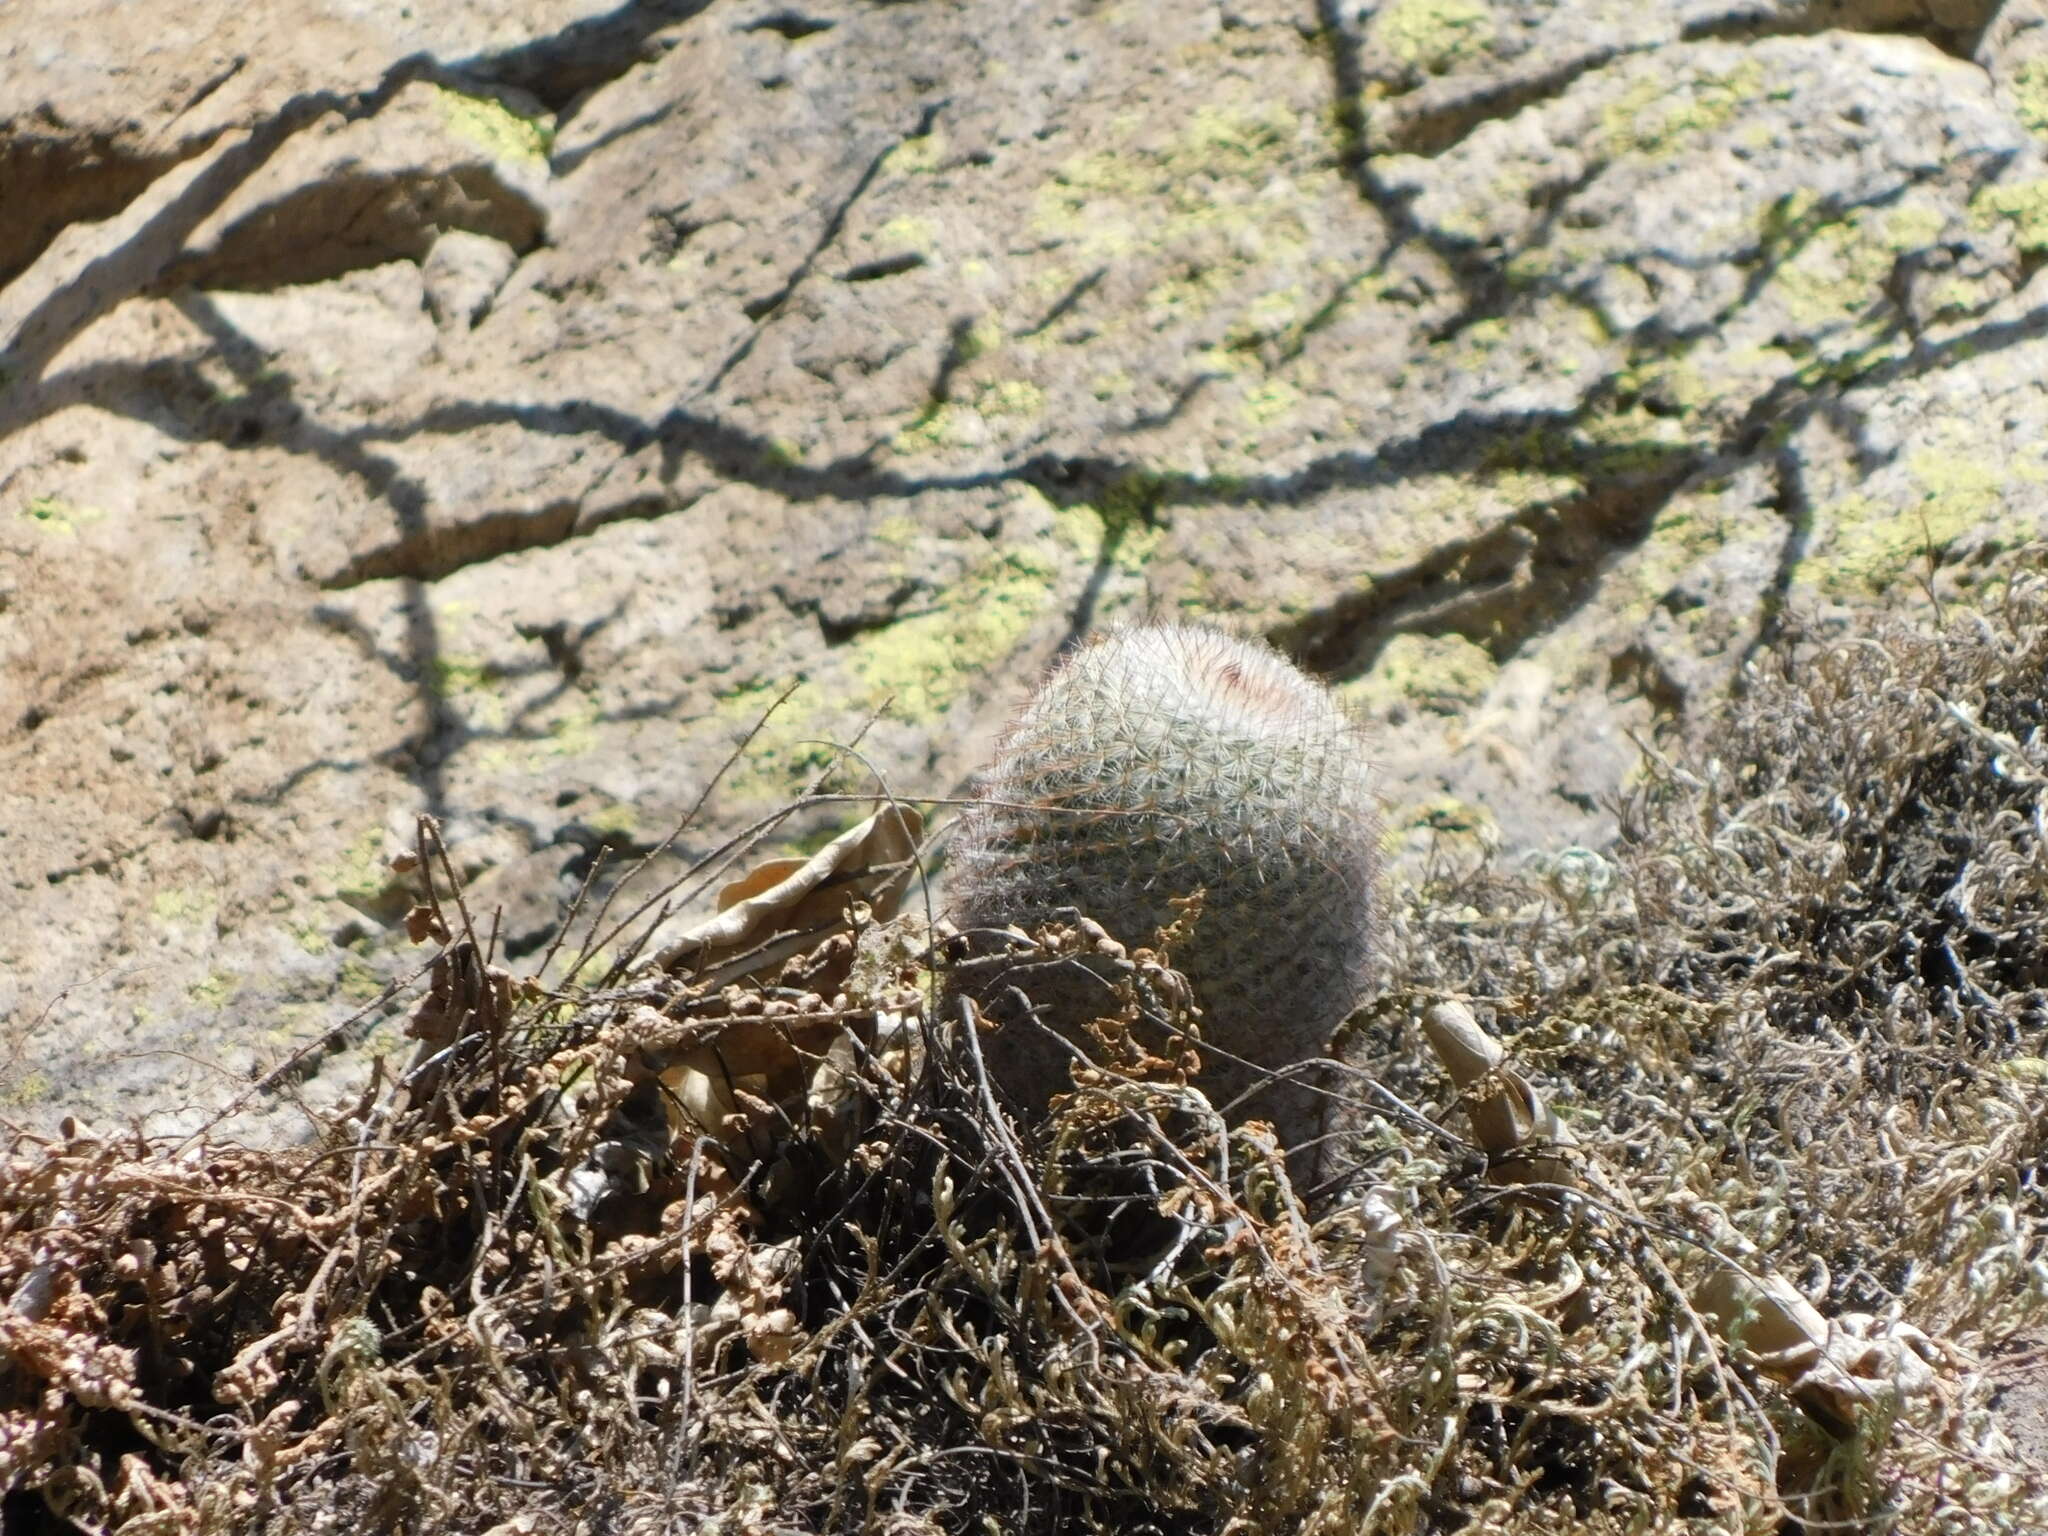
(1513, 381)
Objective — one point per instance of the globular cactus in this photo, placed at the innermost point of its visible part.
(1161, 759)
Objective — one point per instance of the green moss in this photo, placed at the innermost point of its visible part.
(496, 128)
(2023, 204)
(1436, 35)
(1659, 116)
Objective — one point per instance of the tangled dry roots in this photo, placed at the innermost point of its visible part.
(683, 1255)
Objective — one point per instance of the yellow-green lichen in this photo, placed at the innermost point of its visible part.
(898, 531)
(183, 904)
(357, 982)
(980, 338)
(1435, 36)
(1913, 226)
(53, 514)
(1269, 400)
(1009, 397)
(920, 664)
(1658, 115)
(1830, 267)
(1629, 441)
(1222, 173)
(917, 157)
(29, 1088)
(361, 876)
(213, 989)
(944, 424)
(2029, 86)
(788, 750)
(1871, 546)
(780, 453)
(1112, 533)
(620, 820)
(940, 425)
(497, 128)
(2023, 204)
(1445, 816)
(906, 230)
(572, 733)
(1441, 674)
(473, 684)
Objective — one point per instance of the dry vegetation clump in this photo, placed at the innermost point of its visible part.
(1807, 994)
(741, 1241)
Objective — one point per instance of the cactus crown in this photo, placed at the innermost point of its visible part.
(1209, 762)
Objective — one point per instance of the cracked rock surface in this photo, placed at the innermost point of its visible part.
(490, 410)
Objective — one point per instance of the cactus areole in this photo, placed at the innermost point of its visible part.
(1161, 760)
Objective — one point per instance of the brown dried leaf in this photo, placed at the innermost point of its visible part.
(785, 906)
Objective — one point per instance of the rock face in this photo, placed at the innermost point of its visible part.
(490, 410)
(1163, 760)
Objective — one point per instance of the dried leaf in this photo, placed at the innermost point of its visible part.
(785, 906)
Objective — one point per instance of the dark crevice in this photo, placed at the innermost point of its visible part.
(1441, 115)
(1958, 34)
(348, 222)
(565, 65)
(48, 184)
(790, 25)
(886, 266)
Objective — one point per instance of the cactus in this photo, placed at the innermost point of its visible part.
(1225, 769)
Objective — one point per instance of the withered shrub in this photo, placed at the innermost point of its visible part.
(757, 1250)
